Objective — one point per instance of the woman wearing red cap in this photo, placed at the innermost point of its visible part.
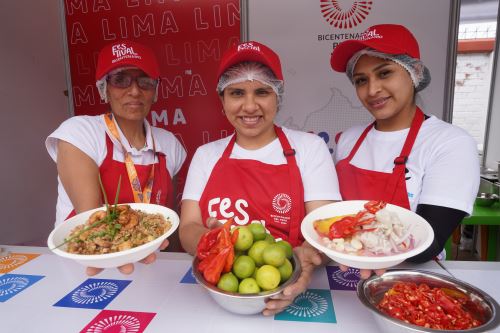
(262, 172)
(404, 157)
(118, 144)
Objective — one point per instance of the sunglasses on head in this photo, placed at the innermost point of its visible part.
(124, 80)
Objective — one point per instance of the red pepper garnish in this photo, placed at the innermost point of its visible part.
(374, 206)
(425, 306)
(216, 252)
(230, 257)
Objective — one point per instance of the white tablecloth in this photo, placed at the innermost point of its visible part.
(164, 293)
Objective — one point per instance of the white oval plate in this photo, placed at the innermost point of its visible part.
(422, 233)
(114, 259)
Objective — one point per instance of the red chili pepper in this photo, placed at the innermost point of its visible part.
(234, 236)
(207, 241)
(214, 268)
(230, 257)
(216, 252)
(202, 265)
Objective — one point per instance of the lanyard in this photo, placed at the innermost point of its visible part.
(135, 184)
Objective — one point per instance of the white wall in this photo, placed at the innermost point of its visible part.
(33, 104)
(472, 88)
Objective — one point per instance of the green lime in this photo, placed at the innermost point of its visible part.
(258, 231)
(274, 255)
(244, 240)
(268, 277)
(269, 238)
(287, 247)
(248, 286)
(243, 267)
(228, 282)
(286, 271)
(255, 252)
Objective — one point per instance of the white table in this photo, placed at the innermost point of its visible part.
(156, 291)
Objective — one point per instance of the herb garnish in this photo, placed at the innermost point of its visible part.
(109, 219)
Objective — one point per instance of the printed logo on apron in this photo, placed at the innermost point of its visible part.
(282, 204)
(225, 207)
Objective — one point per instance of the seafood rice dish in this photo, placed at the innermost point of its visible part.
(373, 231)
(117, 229)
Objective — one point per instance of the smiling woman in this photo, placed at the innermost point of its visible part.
(262, 172)
(118, 145)
(251, 107)
(404, 157)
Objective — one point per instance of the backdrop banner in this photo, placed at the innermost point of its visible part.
(188, 36)
(304, 33)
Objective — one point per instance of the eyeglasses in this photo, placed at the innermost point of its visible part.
(123, 80)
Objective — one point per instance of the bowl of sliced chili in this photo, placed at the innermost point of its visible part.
(420, 301)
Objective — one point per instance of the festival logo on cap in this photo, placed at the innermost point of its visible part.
(340, 15)
(122, 51)
(248, 46)
(370, 34)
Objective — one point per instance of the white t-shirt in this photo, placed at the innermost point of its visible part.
(87, 133)
(311, 153)
(443, 166)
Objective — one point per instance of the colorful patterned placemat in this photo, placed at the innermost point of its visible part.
(93, 294)
(189, 277)
(13, 284)
(313, 305)
(339, 280)
(14, 260)
(109, 321)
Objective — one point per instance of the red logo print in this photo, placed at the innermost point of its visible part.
(282, 203)
(340, 15)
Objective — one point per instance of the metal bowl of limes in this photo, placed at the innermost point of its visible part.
(248, 303)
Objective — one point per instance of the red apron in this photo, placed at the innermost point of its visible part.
(361, 184)
(110, 171)
(251, 190)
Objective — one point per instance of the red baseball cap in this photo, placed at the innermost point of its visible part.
(126, 53)
(250, 51)
(385, 38)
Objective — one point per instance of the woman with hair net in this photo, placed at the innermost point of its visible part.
(118, 144)
(261, 172)
(404, 157)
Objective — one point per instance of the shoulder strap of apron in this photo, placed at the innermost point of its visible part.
(296, 187)
(400, 161)
(229, 148)
(359, 142)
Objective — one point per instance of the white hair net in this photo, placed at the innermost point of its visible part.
(249, 71)
(419, 74)
(103, 83)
